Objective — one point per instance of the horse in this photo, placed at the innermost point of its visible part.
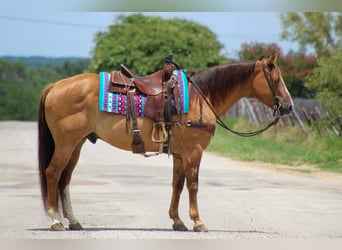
(69, 114)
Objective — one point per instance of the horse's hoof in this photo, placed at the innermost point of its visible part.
(57, 227)
(200, 228)
(179, 227)
(77, 227)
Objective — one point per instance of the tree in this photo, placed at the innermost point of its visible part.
(70, 68)
(20, 86)
(254, 50)
(321, 30)
(17, 98)
(326, 79)
(142, 42)
(324, 32)
(294, 66)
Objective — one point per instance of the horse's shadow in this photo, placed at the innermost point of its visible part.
(99, 229)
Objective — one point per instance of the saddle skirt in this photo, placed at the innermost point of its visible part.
(116, 103)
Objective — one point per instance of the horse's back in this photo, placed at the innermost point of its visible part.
(72, 112)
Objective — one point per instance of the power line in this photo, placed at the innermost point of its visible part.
(51, 22)
(32, 20)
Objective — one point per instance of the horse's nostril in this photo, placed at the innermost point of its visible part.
(290, 107)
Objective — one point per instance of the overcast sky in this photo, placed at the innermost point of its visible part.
(63, 34)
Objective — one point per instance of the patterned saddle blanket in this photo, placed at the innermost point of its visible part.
(116, 103)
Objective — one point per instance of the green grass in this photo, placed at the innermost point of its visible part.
(304, 171)
(287, 146)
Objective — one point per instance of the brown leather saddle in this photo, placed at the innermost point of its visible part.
(160, 87)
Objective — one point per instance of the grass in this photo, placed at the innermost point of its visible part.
(288, 146)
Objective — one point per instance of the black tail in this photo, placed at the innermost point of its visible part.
(46, 145)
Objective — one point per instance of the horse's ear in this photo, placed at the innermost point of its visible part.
(261, 57)
(273, 59)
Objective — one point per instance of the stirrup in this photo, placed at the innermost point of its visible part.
(163, 136)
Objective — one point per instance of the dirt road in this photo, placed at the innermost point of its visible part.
(117, 194)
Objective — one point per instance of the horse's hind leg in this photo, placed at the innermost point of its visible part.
(59, 161)
(177, 187)
(64, 189)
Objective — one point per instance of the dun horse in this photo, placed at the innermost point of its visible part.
(69, 113)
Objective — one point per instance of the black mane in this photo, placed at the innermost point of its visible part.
(219, 80)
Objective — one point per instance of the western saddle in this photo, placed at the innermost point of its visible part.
(160, 88)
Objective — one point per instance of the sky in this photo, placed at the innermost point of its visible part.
(64, 34)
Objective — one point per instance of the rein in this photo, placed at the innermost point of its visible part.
(276, 108)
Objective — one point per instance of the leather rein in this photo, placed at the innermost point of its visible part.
(276, 107)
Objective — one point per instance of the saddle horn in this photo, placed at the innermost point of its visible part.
(168, 59)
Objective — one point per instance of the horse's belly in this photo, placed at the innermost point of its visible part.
(111, 128)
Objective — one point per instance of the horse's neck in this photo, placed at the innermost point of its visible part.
(225, 85)
(233, 96)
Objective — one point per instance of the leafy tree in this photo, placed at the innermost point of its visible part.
(254, 50)
(70, 68)
(321, 30)
(294, 66)
(16, 95)
(327, 80)
(142, 42)
(20, 86)
(324, 32)
(20, 102)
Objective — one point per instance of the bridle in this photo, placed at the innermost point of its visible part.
(271, 83)
(276, 106)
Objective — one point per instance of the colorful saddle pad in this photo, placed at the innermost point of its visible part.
(117, 103)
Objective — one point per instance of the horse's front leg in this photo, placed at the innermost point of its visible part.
(177, 187)
(192, 163)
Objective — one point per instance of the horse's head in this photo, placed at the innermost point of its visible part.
(269, 86)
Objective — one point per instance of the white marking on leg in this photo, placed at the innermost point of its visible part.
(67, 209)
(56, 218)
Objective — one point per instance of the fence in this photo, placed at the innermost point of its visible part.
(307, 114)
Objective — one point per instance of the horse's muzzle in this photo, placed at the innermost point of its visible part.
(285, 108)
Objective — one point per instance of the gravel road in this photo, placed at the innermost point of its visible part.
(118, 195)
